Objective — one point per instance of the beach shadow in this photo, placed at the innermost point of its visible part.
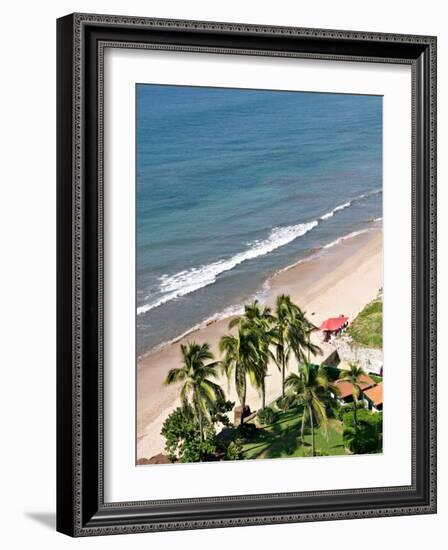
(47, 519)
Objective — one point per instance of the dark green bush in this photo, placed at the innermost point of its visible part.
(368, 437)
(266, 416)
(348, 408)
(218, 412)
(182, 437)
(246, 430)
(285, 403)
(234, 451)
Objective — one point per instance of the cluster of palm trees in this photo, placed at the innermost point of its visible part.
(262, 336)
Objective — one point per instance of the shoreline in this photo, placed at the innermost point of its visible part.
(265, 290)
(339, 279)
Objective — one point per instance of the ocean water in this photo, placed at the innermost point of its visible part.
(234, 185)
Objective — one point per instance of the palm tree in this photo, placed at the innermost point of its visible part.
(354, 375)
(195, 375)
(300, 337)
(311, 388)
(258, 319)
(241, 357)
(292, 332)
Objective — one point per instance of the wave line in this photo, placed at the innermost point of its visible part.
(188, 281)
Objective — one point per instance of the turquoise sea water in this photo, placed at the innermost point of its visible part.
(233, 185)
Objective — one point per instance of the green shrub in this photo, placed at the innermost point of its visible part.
(285, 403)
(246, 430)
(195, 450)
(182, 437)
(234, 451)
(266, 416)
(348, 408)
(218, 412)
(368, 438)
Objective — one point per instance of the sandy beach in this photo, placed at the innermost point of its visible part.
(338, 280)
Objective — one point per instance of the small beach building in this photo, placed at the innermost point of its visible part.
(333, 326)
(346, 388)
(374, 397)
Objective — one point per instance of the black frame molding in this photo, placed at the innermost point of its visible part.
(81, 39)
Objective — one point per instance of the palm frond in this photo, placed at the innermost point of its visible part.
(175, 375)
(234, 322)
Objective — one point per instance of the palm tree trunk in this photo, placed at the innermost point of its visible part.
(240, 384)
(313, 441)
(309, 342)
(355, 415)
(243, 406)
(282, 357)
(197, 409)
(283, 377)
(201, 428)
(263, 392)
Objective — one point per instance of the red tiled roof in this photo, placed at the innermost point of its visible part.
(375, 394)
(346, 388)
(334, 323)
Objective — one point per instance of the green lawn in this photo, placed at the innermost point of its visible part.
(367, 328)
(282, 439)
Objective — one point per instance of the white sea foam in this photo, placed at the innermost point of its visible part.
(226, 313)
(261, 295)
(350, 202)
(230, 311)
(163, 300)
(370, 193)
(336, 209)
(189, 280)
(345, 237)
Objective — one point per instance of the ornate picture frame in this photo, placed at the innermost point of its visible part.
(81, 507)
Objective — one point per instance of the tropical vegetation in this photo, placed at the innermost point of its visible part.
(354, 375)
(367, 327)
(291, 334)
(312, 389)
(307, 417)
(367, 437)
(198, 391)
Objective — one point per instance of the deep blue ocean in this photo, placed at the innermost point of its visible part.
(233, 185)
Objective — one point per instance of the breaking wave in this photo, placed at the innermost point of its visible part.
(336, 209)
(189, 280)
